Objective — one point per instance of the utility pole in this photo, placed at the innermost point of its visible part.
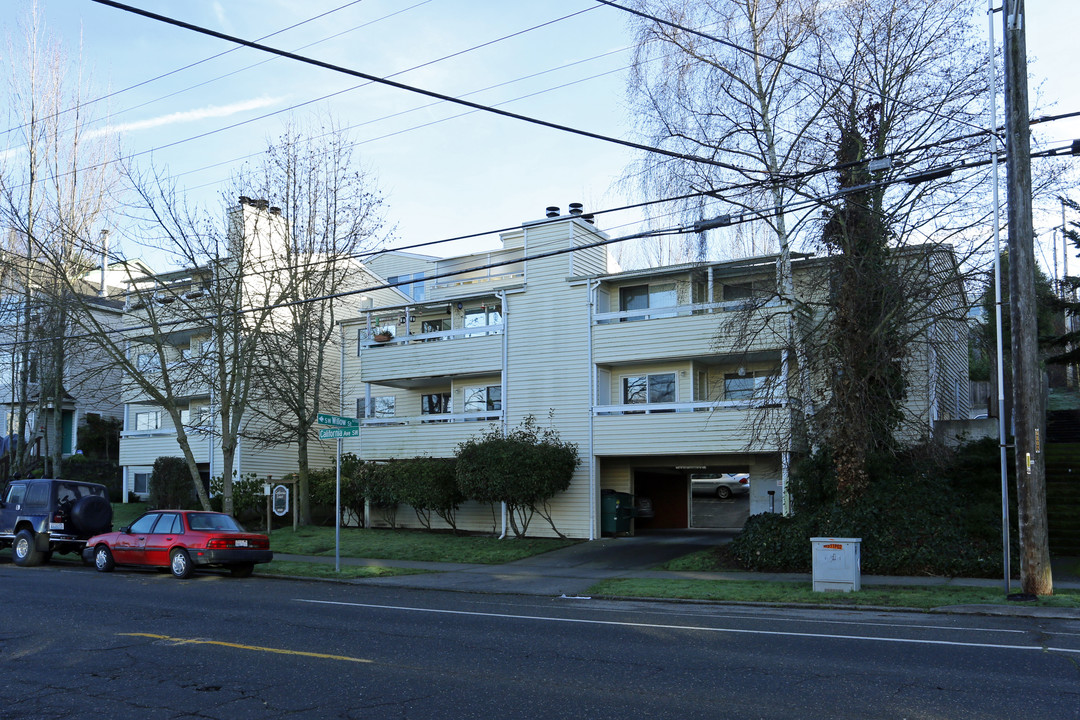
(1029, 414)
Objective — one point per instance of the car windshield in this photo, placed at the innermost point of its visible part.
(213, 521)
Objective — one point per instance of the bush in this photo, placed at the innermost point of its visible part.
(247, 496)
(377, 483)
(429, 485)
(84, 469)
(525, 469)
(170, 484)
(918, 517)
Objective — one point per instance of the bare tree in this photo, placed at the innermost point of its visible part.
(774, 89)
(55, 188)
(333, 211)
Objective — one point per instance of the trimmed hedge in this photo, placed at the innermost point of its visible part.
(920, 516)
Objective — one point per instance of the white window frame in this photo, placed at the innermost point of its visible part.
(152, 420)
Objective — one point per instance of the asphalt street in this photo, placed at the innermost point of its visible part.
(139, 644)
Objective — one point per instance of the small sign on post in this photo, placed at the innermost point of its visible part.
(281, 500)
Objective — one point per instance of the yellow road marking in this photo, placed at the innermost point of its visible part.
(238, 646)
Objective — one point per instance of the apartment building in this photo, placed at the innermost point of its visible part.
(183, 341)
(29, 319)
(657, 375)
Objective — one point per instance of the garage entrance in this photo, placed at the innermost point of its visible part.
(681, 499)
(667, 490)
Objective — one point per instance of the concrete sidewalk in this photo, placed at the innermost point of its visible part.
(572, 570)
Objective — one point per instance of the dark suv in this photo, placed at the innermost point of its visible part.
(40, 517)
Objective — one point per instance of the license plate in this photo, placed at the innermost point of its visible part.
(241, 543)
(56, 526)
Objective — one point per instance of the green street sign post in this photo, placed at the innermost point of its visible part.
(332, 433)
(340, 427)
(338, 421)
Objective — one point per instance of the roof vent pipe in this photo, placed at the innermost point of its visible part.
(553, 211)
(245, 200)
(575, 209)
(275, 210)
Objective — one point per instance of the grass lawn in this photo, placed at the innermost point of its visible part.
(326, 570)
(416, 545)
(786, 592)
(123, 514)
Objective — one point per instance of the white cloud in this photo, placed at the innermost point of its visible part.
(187, 116)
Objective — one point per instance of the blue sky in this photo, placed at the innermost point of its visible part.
(442, 177)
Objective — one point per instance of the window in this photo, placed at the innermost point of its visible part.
(38, 494)
(382, 406)
(147, 362)
(140, 483)
(144, 524)
(435, 403)
(744, 386)
(655, 388)
(643, 297)
(147, 420)
(749, 290)
(414, 289)
(16, 493)
(433, 326)
(483, 399)
(481, 317)
(169, 524)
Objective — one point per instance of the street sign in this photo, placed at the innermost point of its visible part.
(338, 421)
(332, 433)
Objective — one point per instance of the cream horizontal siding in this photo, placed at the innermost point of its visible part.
(721, 430)
(392, 264)
(453, 356)
(145, 449)
(685, 336)
(414, 440)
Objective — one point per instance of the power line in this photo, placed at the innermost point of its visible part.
(421, 91)
(185, 67)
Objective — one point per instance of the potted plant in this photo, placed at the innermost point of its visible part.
(382, 334)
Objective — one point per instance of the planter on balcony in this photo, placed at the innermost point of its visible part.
(382, 337)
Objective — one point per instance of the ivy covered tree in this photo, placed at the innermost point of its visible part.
(525, 468)
(866, 338)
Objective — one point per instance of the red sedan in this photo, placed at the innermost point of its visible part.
(181, 540)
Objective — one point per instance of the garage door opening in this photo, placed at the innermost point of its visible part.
(719, 499)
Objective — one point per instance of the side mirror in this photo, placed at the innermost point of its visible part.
(126, 529)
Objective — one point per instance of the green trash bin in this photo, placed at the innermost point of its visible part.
(616, 511)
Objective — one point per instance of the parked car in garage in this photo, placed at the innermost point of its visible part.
(721, 485)
(181, 540)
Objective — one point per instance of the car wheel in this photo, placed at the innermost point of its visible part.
(180, 564)
(723, 492)
(242, 571)
(103, 559)
(24, 550)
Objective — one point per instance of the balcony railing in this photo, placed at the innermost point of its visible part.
(442, 335)
(682, 310)
(493, 416)
(685, 407)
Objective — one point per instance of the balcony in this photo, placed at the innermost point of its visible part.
(461, 351)
(732, 426)
(688, 331)
(433, 435)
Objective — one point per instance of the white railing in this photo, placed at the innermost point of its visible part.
(494, 416)
(453, 334)
(681, 310)
(709, 406)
